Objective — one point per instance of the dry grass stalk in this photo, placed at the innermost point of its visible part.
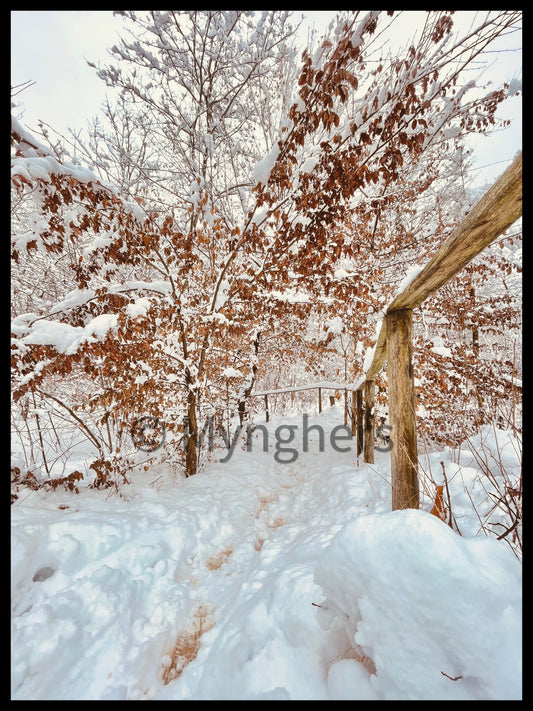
(188, 642)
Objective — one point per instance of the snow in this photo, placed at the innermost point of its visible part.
(64, 337)
(428, 622)
(159, 287)
(515, 85)
(77, 297)
(310, 163)
(357, 36)
(335, 325)
(439, 348)
(231, 373)
(369, 357)
(37, 162)
(222, 294)
(263, 168)
(140, 307)
(291, 296)
(257, 580)
(408, 278)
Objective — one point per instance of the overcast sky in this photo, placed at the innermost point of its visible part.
(50, 48)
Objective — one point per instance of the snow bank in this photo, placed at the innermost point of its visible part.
(417, 598)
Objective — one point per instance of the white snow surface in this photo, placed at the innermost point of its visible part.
(262, 579)
(66, 338)
(263, 168)
(408, 279)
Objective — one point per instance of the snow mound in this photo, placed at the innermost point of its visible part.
(417, 598)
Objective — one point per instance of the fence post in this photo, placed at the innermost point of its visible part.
(266, 408)
(353, 414)
(369, 421)
(404, 454)
(319, 400)
(359, 401)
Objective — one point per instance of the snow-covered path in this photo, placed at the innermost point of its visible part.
(258, 579)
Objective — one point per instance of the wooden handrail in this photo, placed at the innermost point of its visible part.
(312, 386)
(499, 207)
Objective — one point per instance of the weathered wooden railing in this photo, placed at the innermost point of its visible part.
(497, 210)
(494, 213)
(300, 388)
(353, 412)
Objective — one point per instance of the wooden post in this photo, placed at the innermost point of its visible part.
(359, 408)
(369, 421)
(354, 418)
(319, 400)
(266, 408)
(404, 454)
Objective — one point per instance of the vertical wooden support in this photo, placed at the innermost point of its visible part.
(369, 421)
(319, 400)
(354, 414)
(404, 454)
(267, 416)
(359, 408)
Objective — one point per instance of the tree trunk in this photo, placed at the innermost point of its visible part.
(369, 421)
(191, 436)
(404, 455)
(475, 330)
(360, 426)
(345, 408)
(248, 389)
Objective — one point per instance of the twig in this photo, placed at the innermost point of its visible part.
(451, 518)
(511, 528)
(453, 678)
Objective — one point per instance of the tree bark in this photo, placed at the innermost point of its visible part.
(191, 436)
(248, 389)
(369, 421)
(360, 425)
(404, 454)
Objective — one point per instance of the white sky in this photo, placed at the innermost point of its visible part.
(50, 48)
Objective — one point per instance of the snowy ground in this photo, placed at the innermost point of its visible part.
(258, 579)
